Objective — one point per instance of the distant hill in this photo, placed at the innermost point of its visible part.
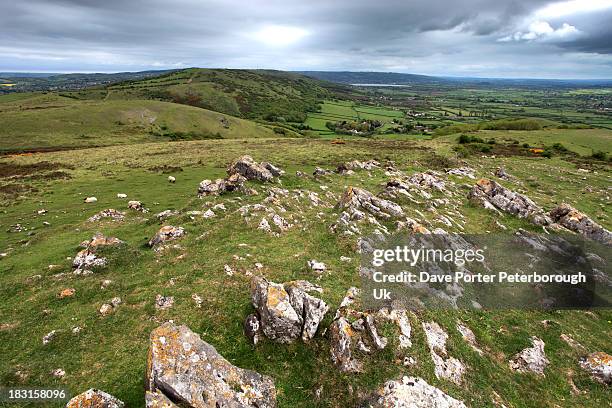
(388, 78)
(254, 94)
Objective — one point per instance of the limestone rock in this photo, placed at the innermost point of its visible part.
(111, 213)
(493, 195)
(355, 199)
(462, 172)
(347, 167)
(286, 312)
(468, 336)
(234, 182)
(531, 359)
(411, 392)
(577, 221)
(249, 169)
(276, 171)
(599, 365)
(429, 180)
(163, 302)
(189, 372)
(87, 258)
(166, 233)
(444, 366)
(93, 398)
(318, 171)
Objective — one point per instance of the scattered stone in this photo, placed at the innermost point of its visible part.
(87, 257)
(571, 342)
(76, 330)
(356, 199)
(599, 365)
(166, 233)
(532, 359)
(93, 398)
(166, 214)
(234, 182)
(68, 292)
(316, 266)
(111, 213)
(171, 179)
(183, 368)
(411, 392)
(577, 221)
(493, 195)
(91, 200)
(300, 174)
(462, 172)
(163, 302)
(47, 338)
(345, 259)
(197, 299)
(106, 309)
(137, 206)
(105, 283)
(501, 173)
(276, 171)
(58, 373)
(429, 180)
(469, 337)
(318, 171)
(287, 311)
(444, 366)
(349, 167)
(249, 169)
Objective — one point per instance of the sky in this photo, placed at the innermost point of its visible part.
(477, 38)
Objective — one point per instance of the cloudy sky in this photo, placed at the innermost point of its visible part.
(487, 38)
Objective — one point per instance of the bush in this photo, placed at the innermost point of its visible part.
(491, 141)
(463, 139)
(526, 145)
(559, 147)
(485, 148)
(599, 155)
(547, 153)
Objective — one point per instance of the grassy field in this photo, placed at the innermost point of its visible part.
(110, 352)
(54, 122)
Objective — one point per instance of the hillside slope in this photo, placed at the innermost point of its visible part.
(40, 122)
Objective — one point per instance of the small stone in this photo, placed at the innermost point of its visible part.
(68, 292)
(47, 338)
(164, 302)
(316, 266)
(58, 373)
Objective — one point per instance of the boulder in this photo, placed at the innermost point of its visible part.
(599, 365)
(532, 359)
(356, 199)
(428, 180)
(411, 392)
(251, 170)
(493, 195)
(286, 312)
(276, 171)
(185, 370)
(318, 171)
(462, 172)
(87, 258)
(166, 233)
(111, 213)
(93, 398)
(576, 221)
(234, 182)
(357, 165)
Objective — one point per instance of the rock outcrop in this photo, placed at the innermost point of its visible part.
(444, 366)
(251, 170)
(93, 398)
(411, 392)
(111, 213)
(234, 182)
(285, 312)
(576, 221)
(87, 258)
(357, 199)
(493, 195)
(532, 359)
(599, 365)
(184, 370)
(166, 233)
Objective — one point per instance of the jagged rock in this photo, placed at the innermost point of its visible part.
(502, 174)
(276, 171)
(428, 180)
(163, 302)
(341, 336)
(166, 214)
(190, 373)
(462, 172)
(468, 336)
(576, 221)
(158, 400)
(166, 233)
(318, 171)
(87, 257)
(411, 392)
(287, 311)
(93, 398)
(444, 366)
(355, 199)
(234, 182)
(493, 195)
(400, 318)
(599, 365)
(346, 168)
(412, 226)
(109, 213)
(249, 169)
(531, 359)
(379, 342)
(137, 206)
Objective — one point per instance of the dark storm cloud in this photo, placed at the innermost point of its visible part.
(424, 36)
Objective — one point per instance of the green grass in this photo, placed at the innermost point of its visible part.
(110, 352)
